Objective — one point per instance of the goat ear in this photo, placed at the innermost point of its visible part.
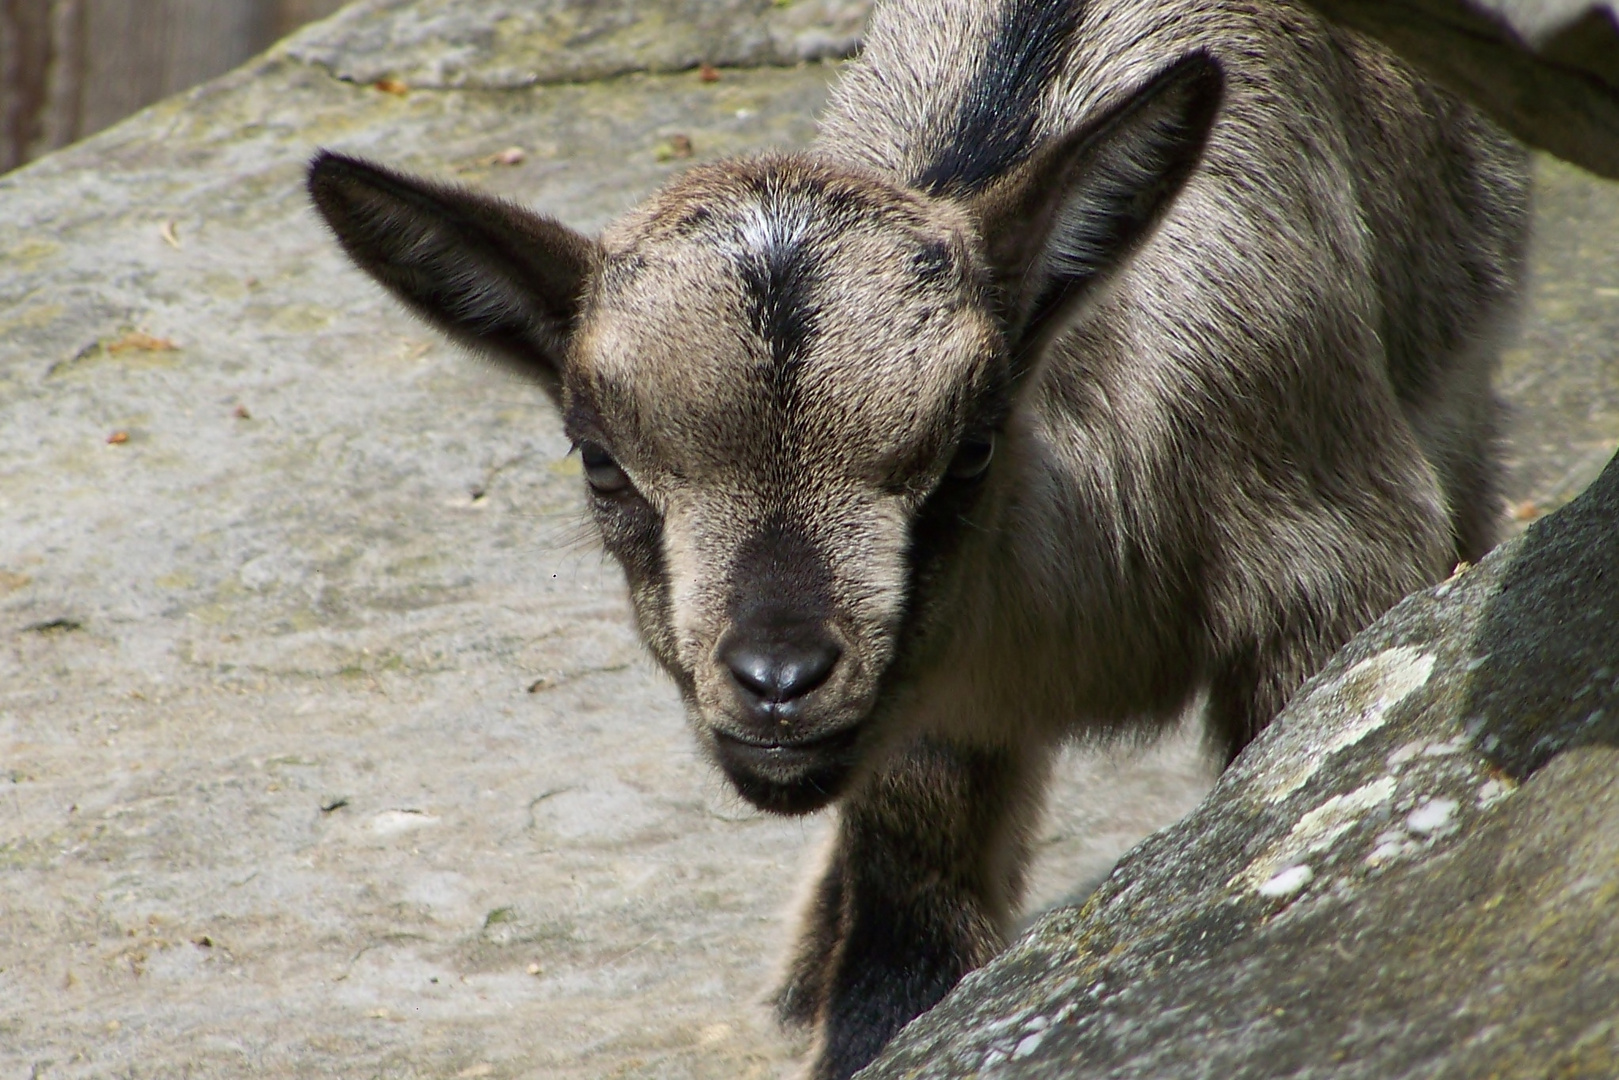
(1060, 224)
(493, 276)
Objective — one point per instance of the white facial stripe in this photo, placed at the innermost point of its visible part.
(773, 225)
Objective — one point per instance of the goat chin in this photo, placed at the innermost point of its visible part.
(789, 778)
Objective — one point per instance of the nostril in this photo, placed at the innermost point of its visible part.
(779, 673)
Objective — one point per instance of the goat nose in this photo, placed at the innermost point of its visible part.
(777, 673)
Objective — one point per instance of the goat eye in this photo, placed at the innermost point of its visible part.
(601, 471)
(972, 457)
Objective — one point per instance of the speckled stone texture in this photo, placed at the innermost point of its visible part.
(1413, 873)
(453, 43)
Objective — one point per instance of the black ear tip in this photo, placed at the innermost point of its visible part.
(323, 163)
(1204, 73)
(1197, 81)
(323, 170)
(328, 168)
(335, 183)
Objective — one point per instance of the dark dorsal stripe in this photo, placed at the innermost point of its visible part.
(995, 122)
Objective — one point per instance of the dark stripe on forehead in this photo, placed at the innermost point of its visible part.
(780, 270)
(995, 121)
(780, 283)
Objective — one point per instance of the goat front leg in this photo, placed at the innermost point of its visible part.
(919, 888)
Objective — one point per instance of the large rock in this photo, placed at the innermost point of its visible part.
(1547, 70)
(1413, 873)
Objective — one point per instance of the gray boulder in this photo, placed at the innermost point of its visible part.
(1413, 873)
(1546, 70)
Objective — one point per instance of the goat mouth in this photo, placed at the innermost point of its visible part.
(788, 777)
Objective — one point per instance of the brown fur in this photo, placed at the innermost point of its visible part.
(1098, 356)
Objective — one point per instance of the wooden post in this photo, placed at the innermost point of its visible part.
(68, 68)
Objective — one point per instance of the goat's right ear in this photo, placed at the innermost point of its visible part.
(492, 275)
(1067, 219)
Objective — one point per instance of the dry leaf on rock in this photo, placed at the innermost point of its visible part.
(676, 146)
(142, 342)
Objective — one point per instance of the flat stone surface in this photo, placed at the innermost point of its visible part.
(326, 747)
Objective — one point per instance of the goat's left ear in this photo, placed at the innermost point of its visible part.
(1058, 225)
(492, 275)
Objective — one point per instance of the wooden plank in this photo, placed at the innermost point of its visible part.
(69, 68)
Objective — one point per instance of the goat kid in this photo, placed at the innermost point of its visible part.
(1101, 353)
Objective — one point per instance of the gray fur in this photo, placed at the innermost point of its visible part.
(1034, 438)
